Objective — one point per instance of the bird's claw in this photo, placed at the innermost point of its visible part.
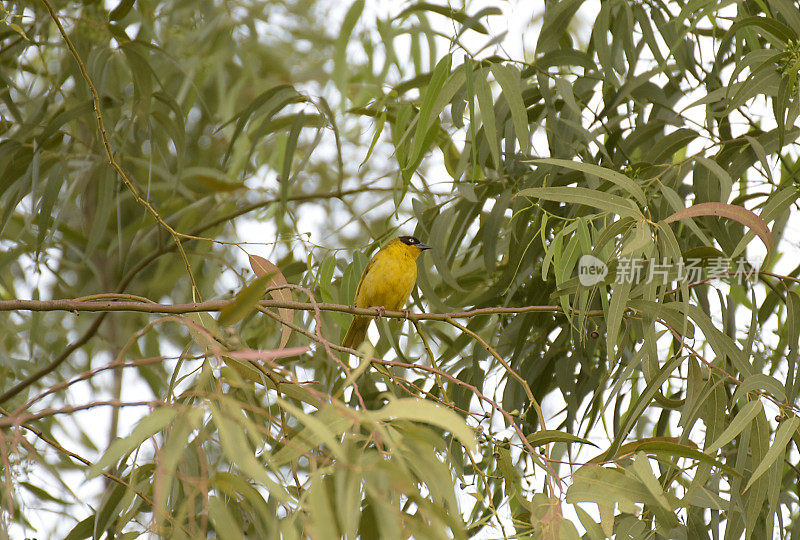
(406, 313)
(380, 311)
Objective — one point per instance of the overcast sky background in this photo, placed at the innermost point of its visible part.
(521, 20)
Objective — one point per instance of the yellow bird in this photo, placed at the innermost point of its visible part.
(387, 282)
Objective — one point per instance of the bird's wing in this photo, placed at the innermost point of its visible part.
(363, 275)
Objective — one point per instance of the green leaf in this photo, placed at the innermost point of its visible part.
(592, 483)
(41, 494)
(83, 529)
(762, 382)
(770, 27)
(593, 530)
(557, 19)
(324, 432)
(439, 92)
(725, 181)
(420, 410)
(208, 180)
(109, 509)
(271, 101)
(548, 436)
(379, 124)
(720, 342)
(225, 525)
(788, 11)
(17, 28)
(47, 203)
(564, 57)
(509, 80)
(641, 237)
(486, 103)
(288, 156)
(142, 74)
(667, 146)
(665, 446)
(589, 197)
(146, 428)
(122, 9)
(510, 475)
(310, 437)
(739, 423)
(617, 305)
(607, 174)
(322, 519)
(643, 471)
(667, 313)
(457, 15)
(783, 436)
(340, 67)
(245, 301)
(643, 401)
(236, 448)
(233, 485)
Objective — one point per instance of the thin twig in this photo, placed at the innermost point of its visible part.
(110, 153)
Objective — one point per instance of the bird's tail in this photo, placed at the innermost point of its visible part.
(357, 332)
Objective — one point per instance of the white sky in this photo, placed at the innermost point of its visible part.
(521, 21)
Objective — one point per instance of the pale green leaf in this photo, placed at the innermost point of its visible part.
(225, 524)
(589, 197)
(509, 79)
(783, 436)
(761, 382)
(146, 428)
(340, 67)
(486, 103)
(420, 410)
(548, 436)
(606, 174)
(737, 425)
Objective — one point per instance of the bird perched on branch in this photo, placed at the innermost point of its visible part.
(386, 283)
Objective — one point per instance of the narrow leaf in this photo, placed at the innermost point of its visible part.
(741, 421)
(509, 80)
(421, 410)
(486, 103)
(245, 301)
(340, 66)
(607, 174)
(547, 436)
(785, 432)
(589, 197)
(146, 428)
(731, 211)
(427, 109)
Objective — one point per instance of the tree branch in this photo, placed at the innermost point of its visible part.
(77, 306)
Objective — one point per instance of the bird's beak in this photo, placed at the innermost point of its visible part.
(423, 247)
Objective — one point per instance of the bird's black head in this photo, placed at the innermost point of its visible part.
(413, 241)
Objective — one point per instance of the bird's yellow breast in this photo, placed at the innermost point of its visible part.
(389, 278)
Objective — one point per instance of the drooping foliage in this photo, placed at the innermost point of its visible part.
(604, 339)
